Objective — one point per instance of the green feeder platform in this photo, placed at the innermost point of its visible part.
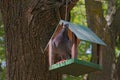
(75, 67)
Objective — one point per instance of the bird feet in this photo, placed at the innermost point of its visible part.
(62, 61)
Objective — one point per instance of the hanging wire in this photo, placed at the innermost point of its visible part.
(66, 10)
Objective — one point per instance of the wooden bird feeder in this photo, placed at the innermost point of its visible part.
(74, 66)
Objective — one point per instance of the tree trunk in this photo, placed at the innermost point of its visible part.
(98, 24)
(28, 25)
(117, 74)
(115, 28)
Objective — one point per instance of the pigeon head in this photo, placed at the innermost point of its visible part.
(66, 26)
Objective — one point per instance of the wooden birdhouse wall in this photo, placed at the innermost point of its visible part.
(72, 38)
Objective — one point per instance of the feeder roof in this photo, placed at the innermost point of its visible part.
(83, 33)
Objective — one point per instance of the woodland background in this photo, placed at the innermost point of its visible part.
(26, 26)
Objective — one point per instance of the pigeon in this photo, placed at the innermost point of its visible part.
(61, 45)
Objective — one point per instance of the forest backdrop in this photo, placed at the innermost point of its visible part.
(26, 26)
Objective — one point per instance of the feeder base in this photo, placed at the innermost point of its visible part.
(75, 67)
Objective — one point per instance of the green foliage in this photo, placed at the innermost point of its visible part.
(78, 14)
(118, 42)
(69, 77)
(105, 7)
(117, 51)
(2, 73)
(118, 3)
(117, 48)
(84, 51)
(2, 47)
(1, 30)
(2, 51)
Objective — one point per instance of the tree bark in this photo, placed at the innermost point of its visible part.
(114, 14)
(98, 24)
(28, 27)
(117, 74)
(115, 30)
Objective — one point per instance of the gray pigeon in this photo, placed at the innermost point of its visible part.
(61, 45)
